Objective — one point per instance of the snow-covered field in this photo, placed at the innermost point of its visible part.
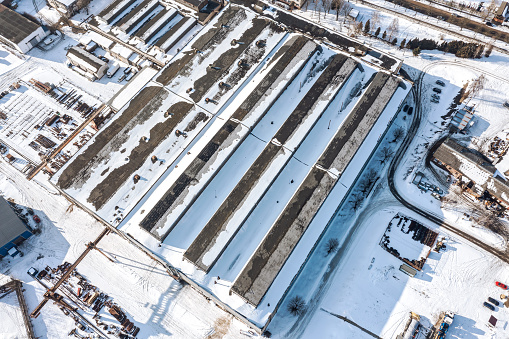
(361, 281)
(458, 279)
(156, 303)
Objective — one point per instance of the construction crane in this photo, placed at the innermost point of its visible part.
(50, 293)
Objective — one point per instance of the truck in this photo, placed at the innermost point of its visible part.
(446, 322)
(113, 69)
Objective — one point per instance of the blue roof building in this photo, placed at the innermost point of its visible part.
(12, 230)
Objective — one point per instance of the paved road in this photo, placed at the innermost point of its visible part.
(439, 220)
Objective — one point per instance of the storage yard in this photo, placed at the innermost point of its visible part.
(247, 116)
(233, 169)
(36, 118)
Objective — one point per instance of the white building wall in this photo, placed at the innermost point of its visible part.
(25, 45)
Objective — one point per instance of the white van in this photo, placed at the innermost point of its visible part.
(113, 69)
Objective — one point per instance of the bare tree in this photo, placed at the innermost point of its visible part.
(393, 29)
(345, 9)
(371, 176)
(331, 246)
(489, 48)
(398, 134)
(296, 306)
(356, 201)
(490, 10)
(375, 19)
(357, 28)
(364, 186)
(385, 154)
(326, 5)
(338, 6)
(476, 86)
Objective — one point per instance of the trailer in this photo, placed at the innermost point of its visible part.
(113, 69)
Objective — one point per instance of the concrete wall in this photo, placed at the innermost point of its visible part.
(25, 45)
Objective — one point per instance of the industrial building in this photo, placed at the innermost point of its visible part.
(472, 167)
(86, 63)
(66, 7)
(153, 28)
(19, 32)
(155, 167)
(12, 230)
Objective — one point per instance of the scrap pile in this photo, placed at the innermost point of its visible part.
(498, 148)
(93, 302)
(414, 231)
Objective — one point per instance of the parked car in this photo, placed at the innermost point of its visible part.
(405, 108)
(489, 24)
(437, 90)
(435, 96)
(440, 83)
(48, 41)
(493, 301)
(30, 211)
(502, 286)
(410, 110)
(434, 100)
(37, 219)
(488, 305)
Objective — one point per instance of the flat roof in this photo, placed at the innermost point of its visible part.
(337, 70)
(265, 264)
(11, 226)
(14, 26)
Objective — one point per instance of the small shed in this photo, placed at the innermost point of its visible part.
(12, 230)
(353, 14)
(463, 117)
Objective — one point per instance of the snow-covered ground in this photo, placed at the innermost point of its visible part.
(13, 326)
(458, 279)
(156, 303)
(379, 298)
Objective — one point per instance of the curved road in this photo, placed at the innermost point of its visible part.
(402, 151)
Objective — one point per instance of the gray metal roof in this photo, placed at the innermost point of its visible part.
(10, 225)
(448, 153)
(448, 150)
(14, 26)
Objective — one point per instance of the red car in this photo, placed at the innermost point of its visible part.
(499, 284)
(38, 220)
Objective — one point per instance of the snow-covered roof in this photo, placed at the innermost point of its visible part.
(89, 61)
(473, 165)
(134, 86)
(101, 40)
(353, 13)
(122, 51)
